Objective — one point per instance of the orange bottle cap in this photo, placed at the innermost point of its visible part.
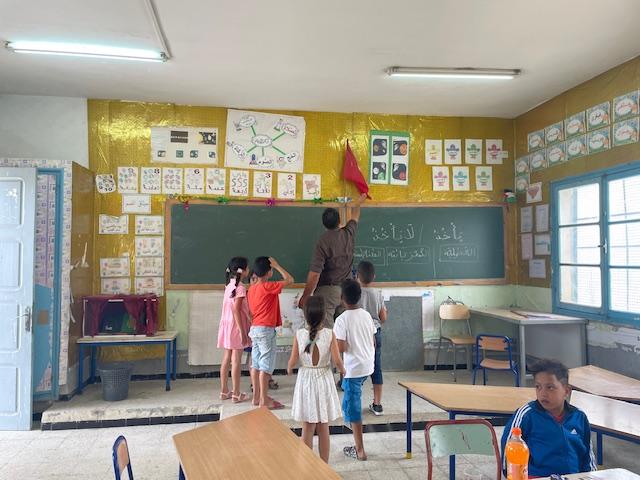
(516, 431)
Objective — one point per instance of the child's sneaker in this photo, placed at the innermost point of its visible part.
(376, 409)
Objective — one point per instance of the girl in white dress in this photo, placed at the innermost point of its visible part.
(315, 398)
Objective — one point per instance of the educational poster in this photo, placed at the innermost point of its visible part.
(287, 186)
(184, 145)
(473, 151)
(311, 186)
(625, 132)
(599, 140)
(151, 180)
(433, 152)
(542, 244)
(460, 177)
(263, 184)
(149, 285)
(105, 183)
(538, 160)
(113, 225)
(556, 154)
(149, 224)
(526, 246)
(440, 176)
(522, 165)
(149, 246)
(484, 179)
(522, 182)
(136, 203)
(495, 154)
(400, 160)
(575, 125)
(537, 268)
(542, 218)
(535, 140)
(453, 152)
(239, 183)
(172, 180)
(598, 116)
(149, 266)
(625, 106)
(114, 267)
(379, 159)
(264, 141)
(534, 192)
(215, 181)
(194, 181)
(576, 147)
(526, 219)
(554, 133)
(115, 286)
(128, 179)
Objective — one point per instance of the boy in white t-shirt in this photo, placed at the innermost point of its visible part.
(355, 332)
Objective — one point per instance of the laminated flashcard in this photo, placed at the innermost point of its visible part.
(452, 152)
(149, 285)
(113, 225)
(538, 160)
(522, 165)
(575, 125)
(114, 267)
(105, 183)
(215, 181)
(151, 180)
(311, 186)
(599, 140)
(172, 181)
(440, 177)
(576, 147)
(534, 192)
(379, 155)
(625, 106)
(556, 154)
(136, 203)
(194, 181)
(399, 160)
(149, 266)
(128, 179)
(522, 183)
(598, 116)
(185, 145)
(115, 286)
(460, 178)
(149, 224)
(625, 132)
(263, 184)
(287, 186)
(433, 151)
(554, 133)
(535, 140)
(239, 183)
(484, 179)
(149, 246)
(473, 151)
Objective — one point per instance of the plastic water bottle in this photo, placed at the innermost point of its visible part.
(517, 454)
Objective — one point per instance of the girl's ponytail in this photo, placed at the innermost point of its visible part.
(314, 313)
(234, 270)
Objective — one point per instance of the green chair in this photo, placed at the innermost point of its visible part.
(445, 438)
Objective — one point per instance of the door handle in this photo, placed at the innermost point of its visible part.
(27, 319)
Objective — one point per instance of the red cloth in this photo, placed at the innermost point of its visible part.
(352, 173)
(264, 304)
(135, 305)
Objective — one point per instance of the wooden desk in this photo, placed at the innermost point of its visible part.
(609, 417)
(253, 445)
(168, 339)
(609, 474)
(599, 381)
(567, 342)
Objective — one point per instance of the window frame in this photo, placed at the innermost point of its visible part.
(604, 312)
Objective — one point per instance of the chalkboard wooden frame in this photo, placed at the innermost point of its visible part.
(169, 203)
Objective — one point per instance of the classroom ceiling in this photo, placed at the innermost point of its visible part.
(325, 55)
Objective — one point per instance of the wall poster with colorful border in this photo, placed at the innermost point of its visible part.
(389, 157)
(184, 145)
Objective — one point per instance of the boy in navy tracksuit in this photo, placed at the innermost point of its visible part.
(558, 434)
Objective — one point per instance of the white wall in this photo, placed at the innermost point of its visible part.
(54, 128)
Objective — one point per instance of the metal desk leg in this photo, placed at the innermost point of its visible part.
(94, 354)
(599, 448)
(80, 368)
(452, 458)
(180, 474)
(523, 358)
(167, 356)
(174, 357)
(409, 426)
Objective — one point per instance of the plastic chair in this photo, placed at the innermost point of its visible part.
(121, 458)
(494, 343)
(461, 437)
(450, 312)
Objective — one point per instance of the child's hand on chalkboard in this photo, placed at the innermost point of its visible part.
(274, 263)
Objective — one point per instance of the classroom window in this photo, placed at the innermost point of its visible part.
(597, 245)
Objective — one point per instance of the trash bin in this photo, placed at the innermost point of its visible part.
(115, 380)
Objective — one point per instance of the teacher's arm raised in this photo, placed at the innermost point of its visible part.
(355, 208)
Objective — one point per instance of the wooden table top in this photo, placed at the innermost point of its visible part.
(159, 336)
(602, 382)
(535, 318)
(472, 398)
(609, 474)
(608, 414)
(253, 445)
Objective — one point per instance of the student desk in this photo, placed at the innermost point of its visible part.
(548, 336)
(609, 474)
(599, 381)
(168, 339)
(252, 445)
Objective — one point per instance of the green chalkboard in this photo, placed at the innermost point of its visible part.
(407, 244)
(417, 244)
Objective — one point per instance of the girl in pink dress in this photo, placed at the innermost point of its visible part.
(233, 332)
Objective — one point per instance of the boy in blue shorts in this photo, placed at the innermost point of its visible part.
(558, 434)
(355, 332)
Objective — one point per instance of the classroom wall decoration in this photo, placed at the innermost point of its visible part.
(311, 186)
(194, 181)
(149, 266)
(286, 186)
(263, 184)
(440, 178)
(113, 225)
(239, 183)
(625, 106)
(149, 225)
(494, 151)
(473, 151)
(399, 159)
(105, 183)
(575, 124)
(484, 179)
(535, 140)
(598, 140)
(556, 154)
(114, 267)
(598, 116)
(460, 179)
(452, 151)
(128, 179)
(149, 246)
(625, 132)
(538, 160)
(136, 203)
(115, 286)
(172, 181)
(184, 145)
(554, 133)
(534, 192)
(433, 152)
(216, 181)
(576, 147)
(265, 141)
(151, 180)
(389, 157)
(149, 285)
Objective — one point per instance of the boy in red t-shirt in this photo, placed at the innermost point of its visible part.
(264, 304)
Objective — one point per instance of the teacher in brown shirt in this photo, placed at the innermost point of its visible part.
(332, 260)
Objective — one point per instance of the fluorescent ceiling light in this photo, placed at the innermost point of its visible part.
(473, 73)
(81, 50)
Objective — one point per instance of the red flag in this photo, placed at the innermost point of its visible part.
(352, 173)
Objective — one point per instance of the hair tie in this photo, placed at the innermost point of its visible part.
(239, 270)
(227, 270)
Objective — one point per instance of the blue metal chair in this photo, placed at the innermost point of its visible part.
(494, 343)
(121, 458)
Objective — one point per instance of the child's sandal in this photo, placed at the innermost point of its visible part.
(226, 395)
(242, 397)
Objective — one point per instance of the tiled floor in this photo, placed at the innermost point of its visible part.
(75, 454)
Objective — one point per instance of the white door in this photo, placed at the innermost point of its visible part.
(17, 211)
